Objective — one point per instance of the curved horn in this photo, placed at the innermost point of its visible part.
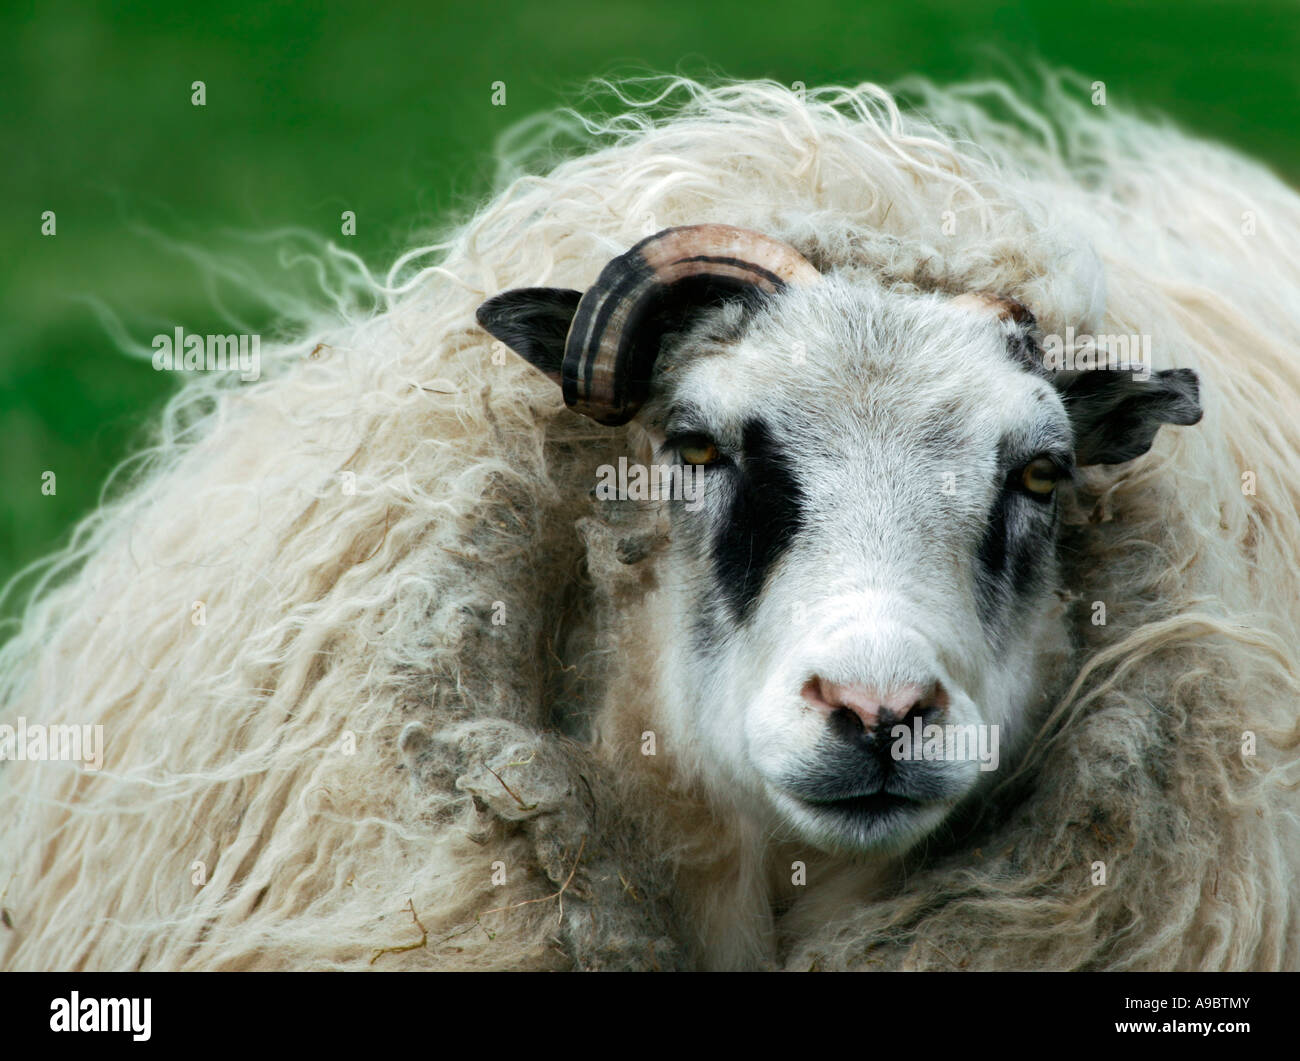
(614, 338)
(1003, 307)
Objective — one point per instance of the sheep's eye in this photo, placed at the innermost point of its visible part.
(1040, 476)
(698, 451)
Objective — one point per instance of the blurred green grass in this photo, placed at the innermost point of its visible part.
(384, 109)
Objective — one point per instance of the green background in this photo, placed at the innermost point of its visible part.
(384, 109)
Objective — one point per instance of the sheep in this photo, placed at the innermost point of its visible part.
(384, 683)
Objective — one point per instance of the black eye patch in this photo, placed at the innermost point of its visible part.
(1019, 534)
(765, 512)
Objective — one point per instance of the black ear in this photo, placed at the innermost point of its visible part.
(1116, 417)
(533, 322)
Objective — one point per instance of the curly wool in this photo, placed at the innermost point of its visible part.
(368, 658)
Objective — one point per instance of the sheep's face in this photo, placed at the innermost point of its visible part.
(863, 583)
(870, 553)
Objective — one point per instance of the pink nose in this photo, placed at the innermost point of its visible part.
(872, 706)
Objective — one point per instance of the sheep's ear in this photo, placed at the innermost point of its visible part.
(533, 322)
(1116, 416)
(602, 346)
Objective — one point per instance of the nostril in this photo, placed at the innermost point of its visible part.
(936, 699)
(874, 707)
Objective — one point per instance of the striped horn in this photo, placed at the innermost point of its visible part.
(640, 295)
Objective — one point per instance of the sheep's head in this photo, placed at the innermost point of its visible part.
(872, 559)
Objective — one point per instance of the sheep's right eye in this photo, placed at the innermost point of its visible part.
(698, 451)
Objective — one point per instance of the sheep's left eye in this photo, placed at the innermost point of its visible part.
(1040, 476)
(700, 451)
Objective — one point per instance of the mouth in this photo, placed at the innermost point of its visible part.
(874, 821)
(871, 809)
(872, 805)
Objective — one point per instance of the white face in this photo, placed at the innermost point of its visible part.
(865, 595)
(868, 555)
